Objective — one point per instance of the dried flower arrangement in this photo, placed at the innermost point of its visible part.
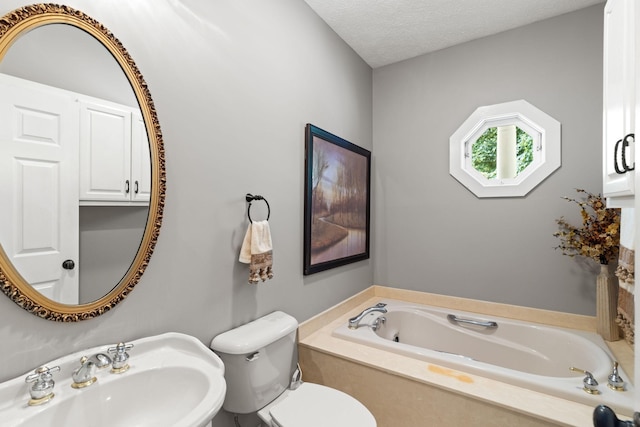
(599, 236)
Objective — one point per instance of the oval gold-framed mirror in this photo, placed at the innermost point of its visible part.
(12, 26)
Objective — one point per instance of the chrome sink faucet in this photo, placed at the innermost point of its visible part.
(354, 322)
(83, 376)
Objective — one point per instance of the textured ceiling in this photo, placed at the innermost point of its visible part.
(387, 31)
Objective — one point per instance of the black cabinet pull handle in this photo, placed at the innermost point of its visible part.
(615, 158)
(68, 264)
(623, 154)
(126, 187)
(625, 144)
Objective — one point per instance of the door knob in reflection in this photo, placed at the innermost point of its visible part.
(68, 264)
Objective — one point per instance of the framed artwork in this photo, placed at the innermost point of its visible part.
(337, 200)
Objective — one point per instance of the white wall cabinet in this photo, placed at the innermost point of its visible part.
(115, 166)
(140, 160)
(621, 113)
(619, 101)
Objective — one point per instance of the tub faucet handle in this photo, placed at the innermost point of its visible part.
(590, 385)
(615, 381)
(381, 320)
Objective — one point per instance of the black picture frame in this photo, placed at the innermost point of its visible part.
(337, 201)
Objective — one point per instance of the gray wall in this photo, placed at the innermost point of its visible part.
(68, 58)
(234, 84)
(109, 240)
(432, 234)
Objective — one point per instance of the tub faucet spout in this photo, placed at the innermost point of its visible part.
(354, 322)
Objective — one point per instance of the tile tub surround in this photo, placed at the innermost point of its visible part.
(400, 390)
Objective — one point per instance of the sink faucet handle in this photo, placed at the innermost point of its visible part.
(119, 363)
(43, 373)
(120, 348)
(590, 385)
(42, 389)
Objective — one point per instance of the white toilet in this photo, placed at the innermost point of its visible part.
(260, 360)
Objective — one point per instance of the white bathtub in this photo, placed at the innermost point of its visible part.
(534, 356)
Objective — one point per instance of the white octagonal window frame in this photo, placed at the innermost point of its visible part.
(544, 130)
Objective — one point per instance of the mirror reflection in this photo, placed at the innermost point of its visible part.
(74, 120)
(502, 152)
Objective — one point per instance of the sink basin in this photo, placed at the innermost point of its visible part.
(173, 380)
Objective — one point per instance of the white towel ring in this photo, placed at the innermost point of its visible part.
(250, 198)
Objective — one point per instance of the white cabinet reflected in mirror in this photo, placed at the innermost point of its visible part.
(505, 150)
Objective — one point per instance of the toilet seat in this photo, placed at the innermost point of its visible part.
(314, 405)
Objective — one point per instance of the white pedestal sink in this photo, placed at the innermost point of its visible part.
(173, 380)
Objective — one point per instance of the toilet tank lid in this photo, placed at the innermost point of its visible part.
(255, 335)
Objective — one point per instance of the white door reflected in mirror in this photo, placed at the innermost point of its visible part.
(38, 169)
(505, 150)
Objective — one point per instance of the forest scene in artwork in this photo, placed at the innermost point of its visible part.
(339, 198)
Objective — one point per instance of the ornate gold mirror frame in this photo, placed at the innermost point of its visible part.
(25, 19)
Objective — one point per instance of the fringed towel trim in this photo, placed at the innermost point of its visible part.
(626, 306)
(261, 267)
(627, 328)
(625, 270)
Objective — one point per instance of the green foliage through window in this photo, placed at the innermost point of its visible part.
(483, 151)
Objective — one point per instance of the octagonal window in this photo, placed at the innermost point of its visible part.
(505, 150)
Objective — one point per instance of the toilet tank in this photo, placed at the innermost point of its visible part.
(259, 359)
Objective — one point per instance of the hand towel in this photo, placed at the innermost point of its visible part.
(257, 251)
(626, 275)
(626, 258)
